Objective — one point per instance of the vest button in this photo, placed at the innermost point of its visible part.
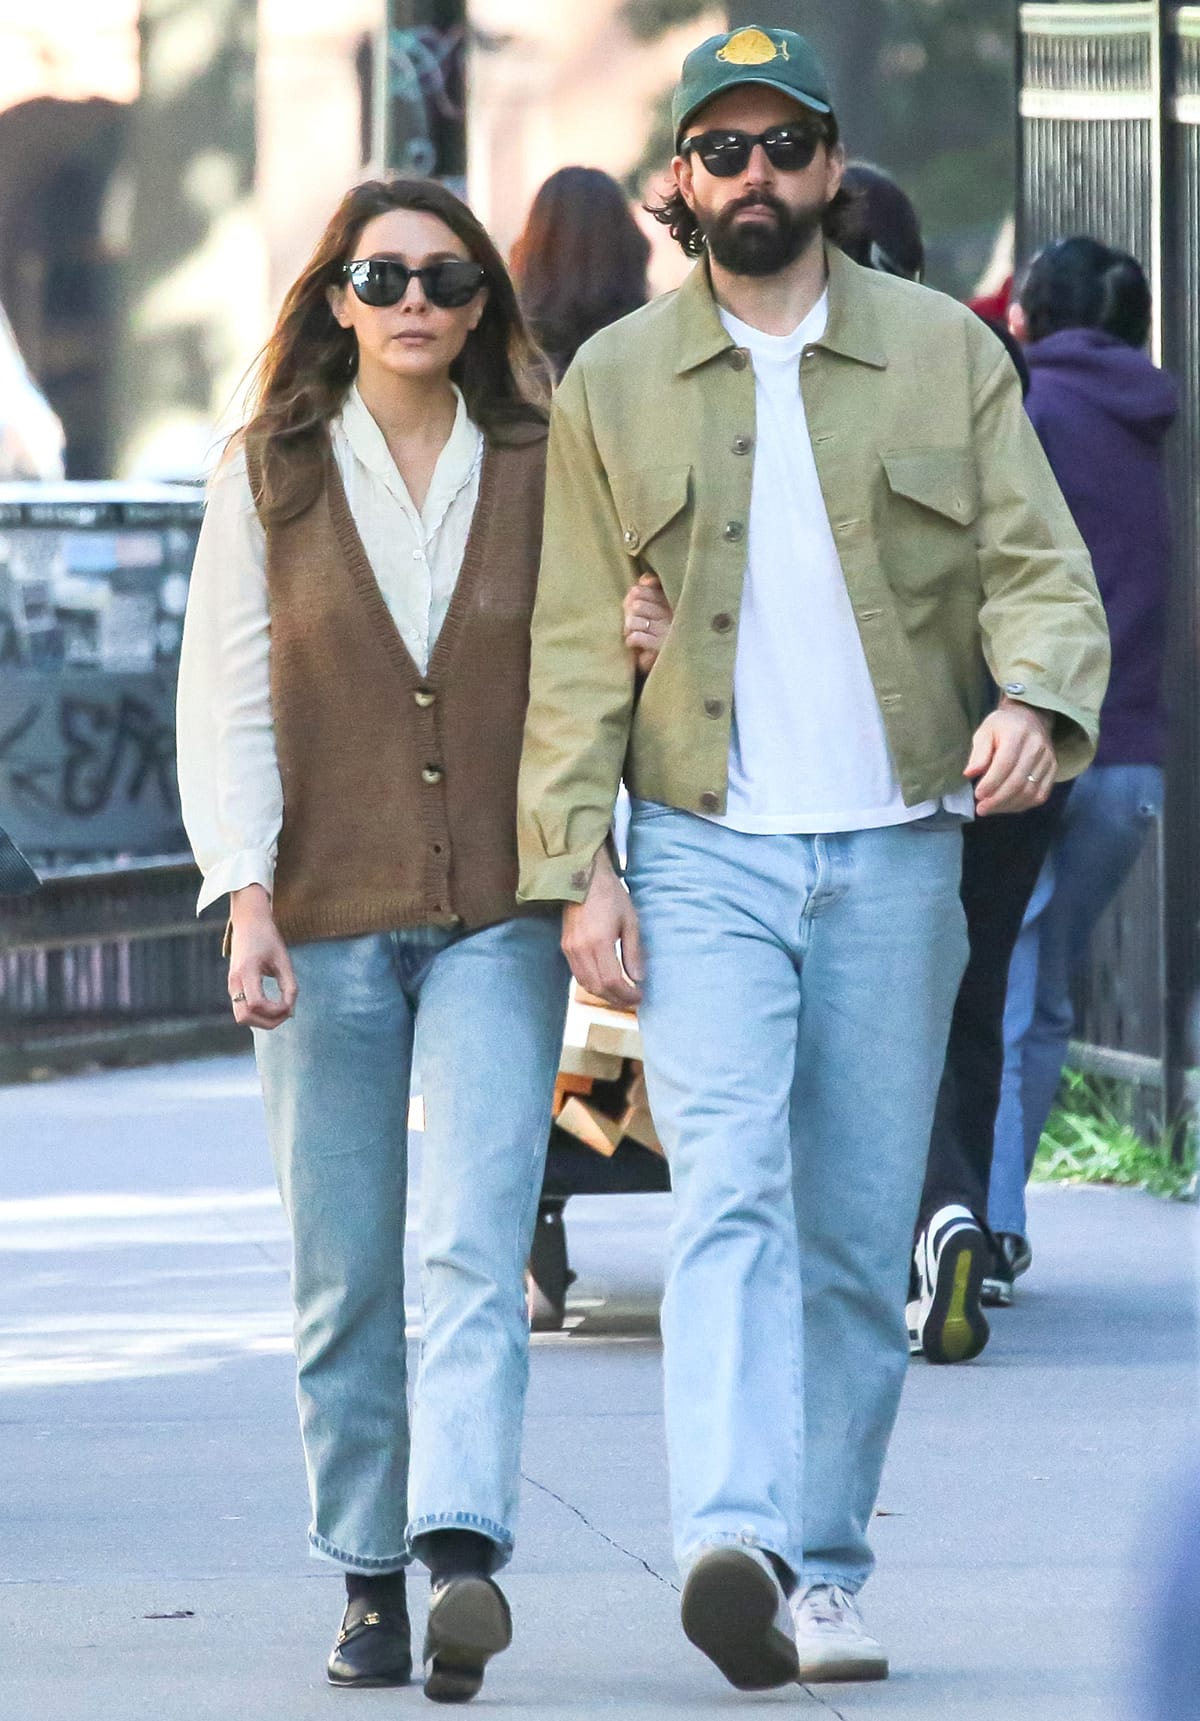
(722, 623)
(632, 538)
(432, 774)
(739, 358)
(743, 444)
(714, 708)
(710, 803)
(734, 532)
(424, 697)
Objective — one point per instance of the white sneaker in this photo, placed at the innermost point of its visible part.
(831, 1639)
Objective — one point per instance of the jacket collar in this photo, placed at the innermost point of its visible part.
(853, 330)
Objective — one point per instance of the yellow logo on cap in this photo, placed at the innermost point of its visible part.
(752, 48)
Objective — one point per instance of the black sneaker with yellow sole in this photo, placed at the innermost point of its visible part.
(946, 1322)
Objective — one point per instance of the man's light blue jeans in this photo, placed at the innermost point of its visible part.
(481, 1016)
(1107, 818)
(797, 1004)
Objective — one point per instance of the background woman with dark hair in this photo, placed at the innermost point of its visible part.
(580, 263)
(352, 694)
(1102, 410)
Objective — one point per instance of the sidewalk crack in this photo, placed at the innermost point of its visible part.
(821, 1703)
(597, 1531)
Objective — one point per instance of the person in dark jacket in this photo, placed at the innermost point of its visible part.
(1102, 410)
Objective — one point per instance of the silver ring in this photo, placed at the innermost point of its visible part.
(1029, 779)
(238, 998)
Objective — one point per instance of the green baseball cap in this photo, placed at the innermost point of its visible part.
(780, 59)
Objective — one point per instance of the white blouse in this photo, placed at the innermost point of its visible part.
(228, 768)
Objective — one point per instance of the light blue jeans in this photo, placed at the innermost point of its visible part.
(1110, 811)
(481, 1015)
(797, 1005)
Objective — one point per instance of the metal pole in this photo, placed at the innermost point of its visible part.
(421, 90)
(1020, 223)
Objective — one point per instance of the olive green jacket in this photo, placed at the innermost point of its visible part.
(956, 545)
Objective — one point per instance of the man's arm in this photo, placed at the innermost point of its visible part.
(1044, 633)
(581, 685)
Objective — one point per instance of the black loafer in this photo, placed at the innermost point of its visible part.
(469, 1622)
(374, 1646)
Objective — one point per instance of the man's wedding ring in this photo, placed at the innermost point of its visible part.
(238, 998)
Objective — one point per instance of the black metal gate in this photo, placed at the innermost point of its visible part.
(1109, 144)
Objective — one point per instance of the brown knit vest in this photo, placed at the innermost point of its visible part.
(400, 789)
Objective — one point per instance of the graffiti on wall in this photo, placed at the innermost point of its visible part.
(87, 764)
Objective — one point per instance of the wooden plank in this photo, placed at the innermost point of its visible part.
(602, 1134)
(582, 1061)
(567, 1085)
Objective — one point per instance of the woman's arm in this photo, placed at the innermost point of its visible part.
(229, 780)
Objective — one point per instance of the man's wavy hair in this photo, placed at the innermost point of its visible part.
(672, 211)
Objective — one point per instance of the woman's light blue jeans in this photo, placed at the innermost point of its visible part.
(481, 1016)
(1110, 812)
(797, 1004)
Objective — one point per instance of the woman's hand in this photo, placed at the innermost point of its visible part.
(648, 618)
(256, 952)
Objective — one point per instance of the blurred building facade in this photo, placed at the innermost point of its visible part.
(166, 165)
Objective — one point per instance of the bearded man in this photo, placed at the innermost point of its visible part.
(830, 472)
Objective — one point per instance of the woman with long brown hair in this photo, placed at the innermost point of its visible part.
(580, 262)
(352, 694)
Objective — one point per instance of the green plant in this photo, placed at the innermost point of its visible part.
(1090, 1138)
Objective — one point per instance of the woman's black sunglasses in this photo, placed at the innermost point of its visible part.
(381, 281)
(790, 148)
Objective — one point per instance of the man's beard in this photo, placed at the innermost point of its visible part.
(760, 247)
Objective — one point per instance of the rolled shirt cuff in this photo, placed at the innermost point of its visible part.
(250, 866)
(557, 878)
(1076, 730)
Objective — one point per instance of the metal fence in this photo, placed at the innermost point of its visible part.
(1109, 144)
(111, 963)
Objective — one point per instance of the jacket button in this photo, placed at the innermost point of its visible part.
(710, 803)
(739, 358)
(580, 880)
(714, 708)
(632, 539)
(743, 444)
(734, 532)
(424, 697)
(722, 623)
(432, 774)
(1015, 688)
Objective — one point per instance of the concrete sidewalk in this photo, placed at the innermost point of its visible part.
(153, 1561)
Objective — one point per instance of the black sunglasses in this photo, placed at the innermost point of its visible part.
(381, 281)
(790, 148)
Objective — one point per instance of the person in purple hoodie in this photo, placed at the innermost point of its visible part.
(1102, 410)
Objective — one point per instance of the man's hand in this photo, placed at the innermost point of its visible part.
(1012, 761)
(592, 932)
(258, 951)
(648, 618)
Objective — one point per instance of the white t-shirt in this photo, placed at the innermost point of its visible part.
(808, 752)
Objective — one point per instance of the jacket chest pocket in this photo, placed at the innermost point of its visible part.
(930, 506)
(652, 508)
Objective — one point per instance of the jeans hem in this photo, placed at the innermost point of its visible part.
(736, 1539)
(363, 1565)
(465, 1521)
(851, 1582)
